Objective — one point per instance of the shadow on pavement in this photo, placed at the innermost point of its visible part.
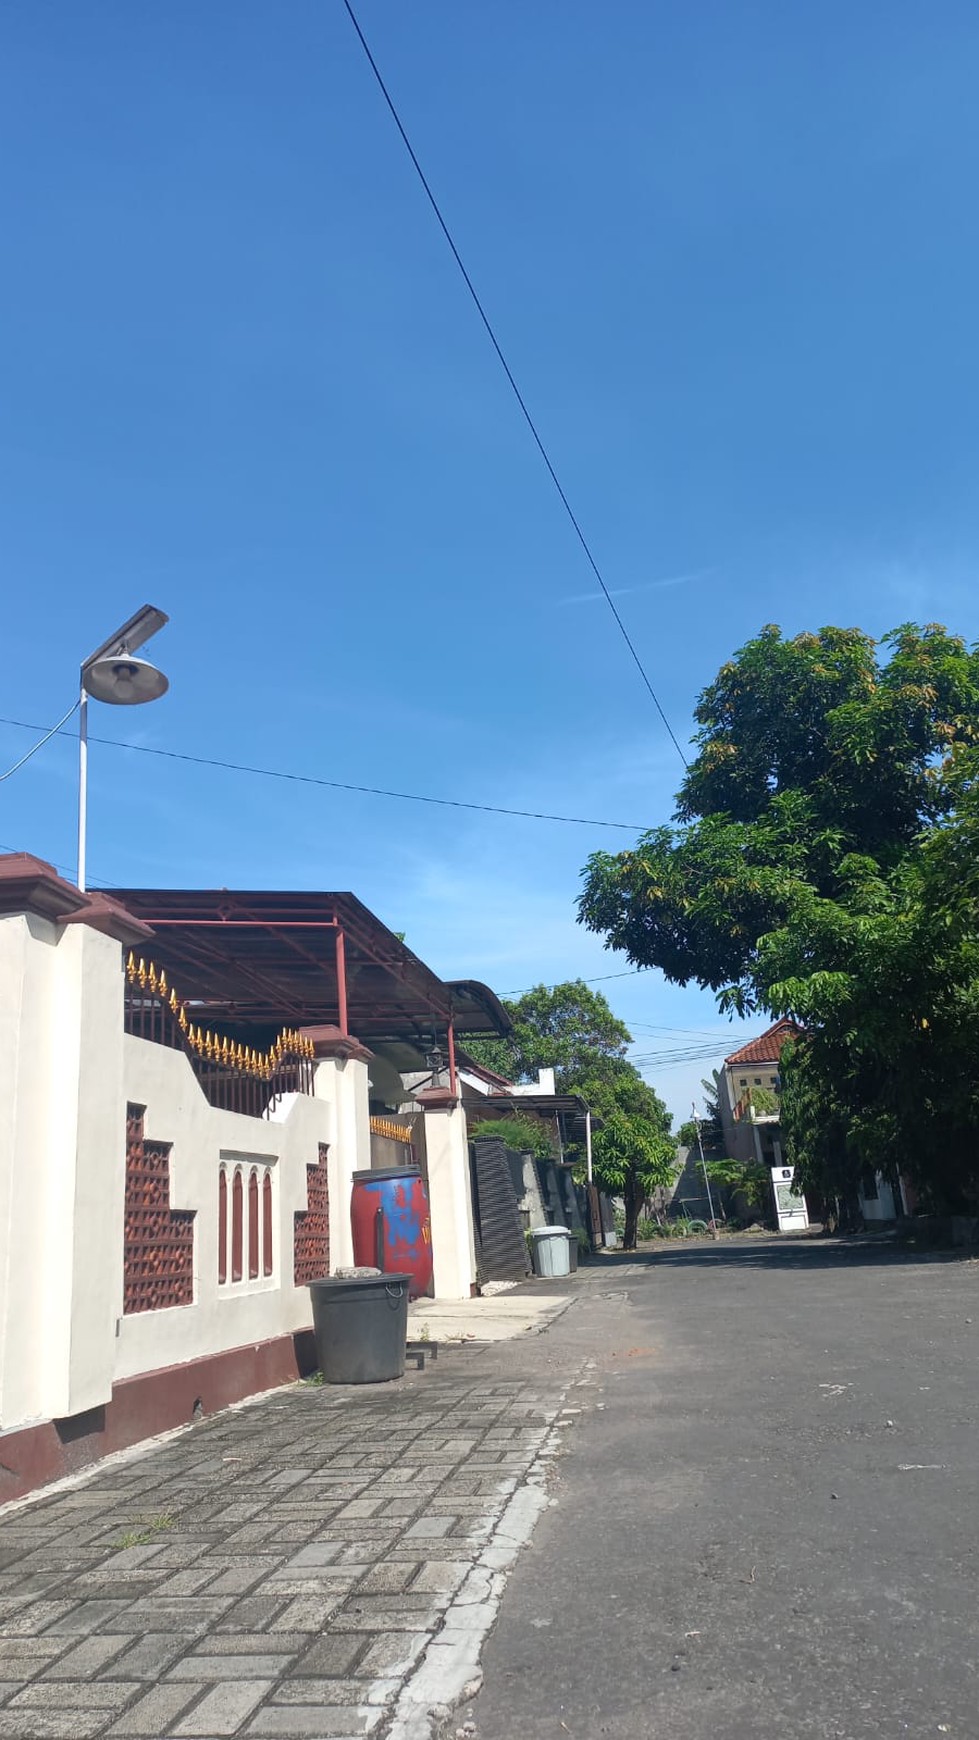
(775, 1253)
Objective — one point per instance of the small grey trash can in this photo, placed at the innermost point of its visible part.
(360, 1324)
(551, 1253)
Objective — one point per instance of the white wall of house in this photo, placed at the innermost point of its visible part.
(204, 1139)
(543, 1085)
(450, 1201)
(879, 1207)
(62, 1152)
(67, 1072)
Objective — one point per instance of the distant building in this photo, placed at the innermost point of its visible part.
(749, 1086)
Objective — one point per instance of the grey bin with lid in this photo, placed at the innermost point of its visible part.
(360, 1324)
(552, 1253)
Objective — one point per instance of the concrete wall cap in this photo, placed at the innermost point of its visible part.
(328, 1041)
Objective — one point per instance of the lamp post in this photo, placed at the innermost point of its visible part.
(703, 1162)
(112, 674)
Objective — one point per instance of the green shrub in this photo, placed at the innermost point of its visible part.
(523, 1135)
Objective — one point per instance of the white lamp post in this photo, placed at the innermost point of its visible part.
(112, 674)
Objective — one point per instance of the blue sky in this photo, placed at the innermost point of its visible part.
(731, 253)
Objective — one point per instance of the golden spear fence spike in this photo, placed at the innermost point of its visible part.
(131, 965)
(182, 1017)
(163, 981)
(142, 971)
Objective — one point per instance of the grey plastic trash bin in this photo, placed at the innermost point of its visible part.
(360, 1324)
(551, 1254)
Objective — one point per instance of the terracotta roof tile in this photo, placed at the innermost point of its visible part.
(768, 1048)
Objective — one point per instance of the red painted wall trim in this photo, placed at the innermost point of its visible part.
(222, 1226)
(142, 1406)
(267, 1224)
(253, 1229)
(237, 1219)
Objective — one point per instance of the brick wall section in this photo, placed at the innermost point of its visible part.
(159, 1240)
(311, 1238)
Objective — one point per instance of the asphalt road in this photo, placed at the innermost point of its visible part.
(767, 1515)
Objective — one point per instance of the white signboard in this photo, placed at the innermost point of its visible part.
(790, 1204)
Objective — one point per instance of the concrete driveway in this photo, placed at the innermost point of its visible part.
(768, 1513)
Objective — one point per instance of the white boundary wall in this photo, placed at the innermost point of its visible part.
(67, 1072)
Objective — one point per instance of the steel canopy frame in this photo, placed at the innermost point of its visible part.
(251, 958)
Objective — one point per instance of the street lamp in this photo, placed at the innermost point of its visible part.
(112, 674)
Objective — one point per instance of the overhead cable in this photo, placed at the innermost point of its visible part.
(532, 426)
(411, 797)
(41, 740)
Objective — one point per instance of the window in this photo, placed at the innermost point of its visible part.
(757, 1081)
(743, 1082)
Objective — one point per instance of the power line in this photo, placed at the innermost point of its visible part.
(484, 317)
(698, 1032)
(411, 797)
(41, 742)
(691, 1054)
(631, 973)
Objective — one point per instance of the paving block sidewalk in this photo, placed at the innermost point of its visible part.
(321, 1563)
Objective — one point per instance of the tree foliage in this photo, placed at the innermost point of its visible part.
(747, 1181)
(523, 1135)
(572, 1028)
(567, 1027)
(823, 866)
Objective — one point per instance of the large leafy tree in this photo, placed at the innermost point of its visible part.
(572, 1028)
(569, 1027)
(633, 1151)
(821, 866)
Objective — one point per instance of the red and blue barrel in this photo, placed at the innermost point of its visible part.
(392, 1224)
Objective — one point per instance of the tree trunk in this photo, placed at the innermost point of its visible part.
(632, 1196)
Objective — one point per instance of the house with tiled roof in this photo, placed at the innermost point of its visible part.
(748, 1087)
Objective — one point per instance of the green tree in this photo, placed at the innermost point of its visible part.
(524, 1135)
(747, 1181)
(570, 1027)
(811, 753)
(823, 866)
(632, 1150)
(887, 985)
